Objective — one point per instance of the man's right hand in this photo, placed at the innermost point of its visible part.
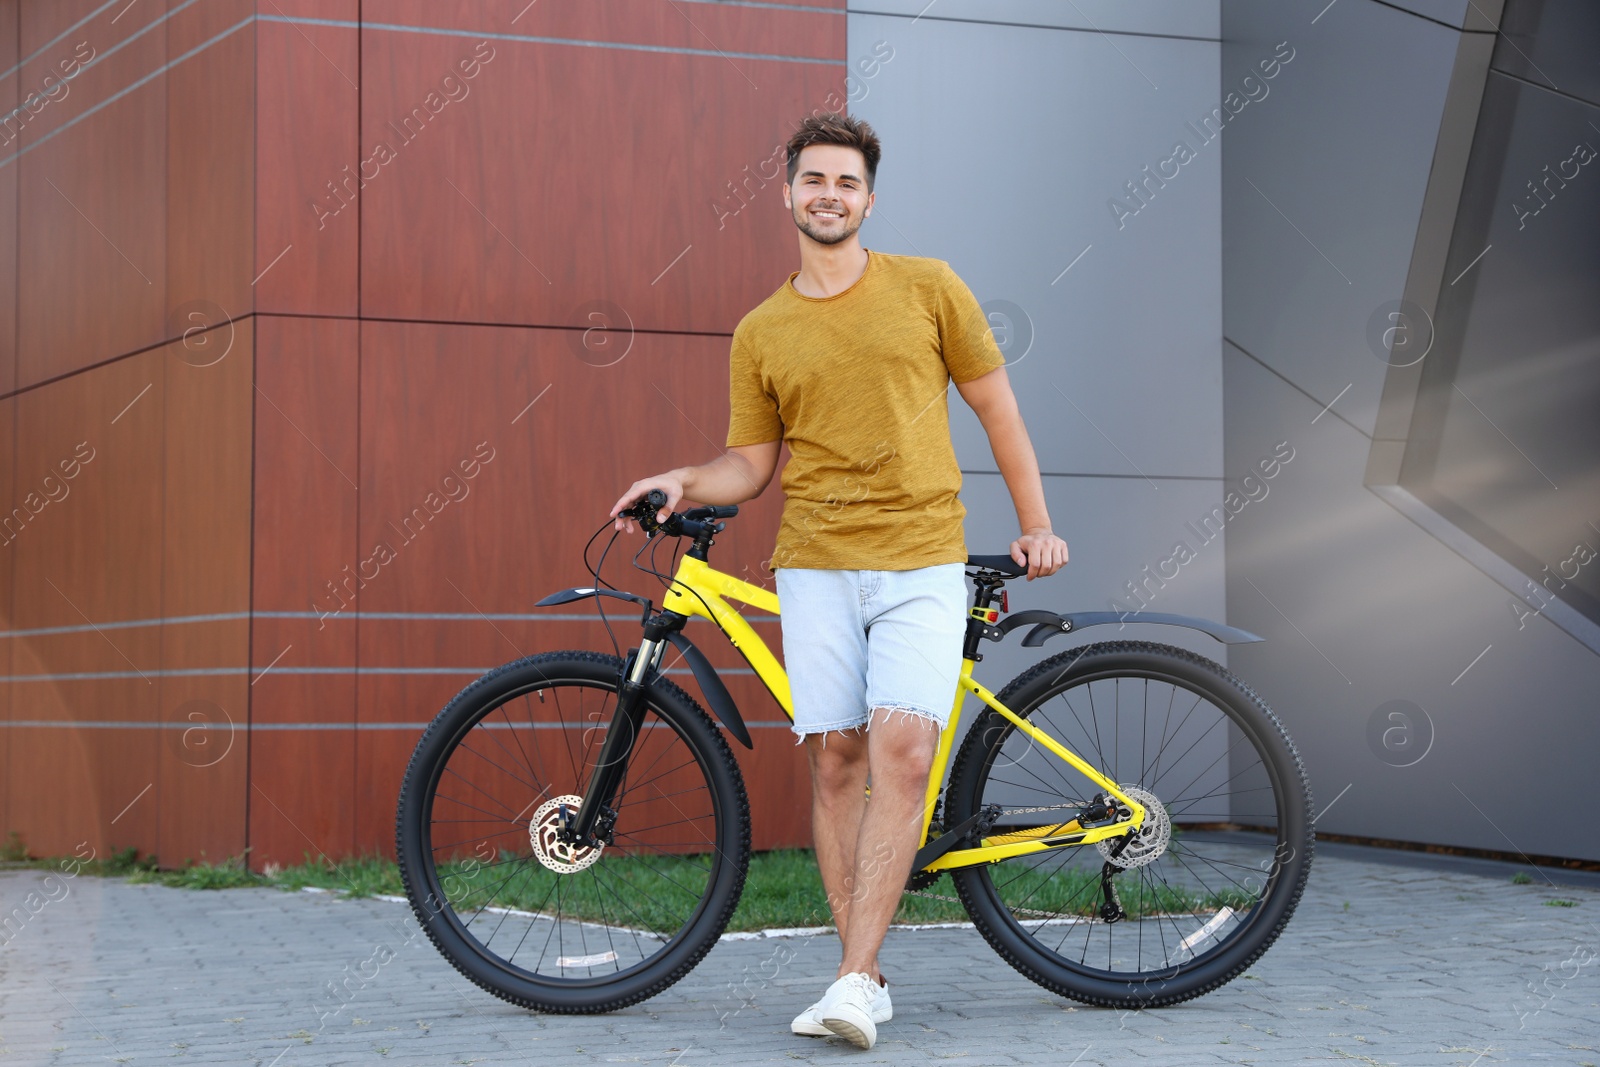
(669, 483)
(739, 474)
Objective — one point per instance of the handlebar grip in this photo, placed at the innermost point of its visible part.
(713, 511)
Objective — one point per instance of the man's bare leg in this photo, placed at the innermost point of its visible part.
(900, 748)
(838, 801)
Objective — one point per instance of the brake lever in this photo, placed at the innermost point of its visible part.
(686, 524)
(644, 512)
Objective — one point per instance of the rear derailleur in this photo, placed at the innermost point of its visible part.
(1111, 910)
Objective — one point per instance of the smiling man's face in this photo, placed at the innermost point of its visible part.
(829, 198)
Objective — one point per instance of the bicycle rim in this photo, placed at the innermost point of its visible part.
(1212, 876)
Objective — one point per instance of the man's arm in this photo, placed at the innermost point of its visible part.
(739, 474)
(990, 397)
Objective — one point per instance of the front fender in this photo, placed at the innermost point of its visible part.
(567, 596)
(717, 695)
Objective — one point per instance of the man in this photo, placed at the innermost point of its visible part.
(850, 362)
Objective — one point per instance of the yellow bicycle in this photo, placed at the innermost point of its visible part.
(1126, 823)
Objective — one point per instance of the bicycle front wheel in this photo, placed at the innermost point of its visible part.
(528, 917)
(1208, 882)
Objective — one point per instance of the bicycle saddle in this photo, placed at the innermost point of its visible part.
(1003, 564)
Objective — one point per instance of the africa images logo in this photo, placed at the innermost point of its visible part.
(342, 193)
(1251, 89)
(1206, 528)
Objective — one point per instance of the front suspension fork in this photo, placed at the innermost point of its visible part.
(621, 733)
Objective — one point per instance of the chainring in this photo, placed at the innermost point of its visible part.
(921, 880)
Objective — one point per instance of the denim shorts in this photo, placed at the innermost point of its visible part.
(857, 640)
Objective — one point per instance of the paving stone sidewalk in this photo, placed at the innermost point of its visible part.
(1386, 962)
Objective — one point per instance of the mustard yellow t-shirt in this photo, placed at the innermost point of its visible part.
(856, 383)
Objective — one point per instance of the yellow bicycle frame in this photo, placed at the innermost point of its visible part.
(701, 591)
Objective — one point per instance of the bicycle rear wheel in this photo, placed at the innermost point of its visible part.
(1216, 871)
(529, 918)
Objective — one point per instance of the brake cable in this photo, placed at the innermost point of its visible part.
(669, 581)
(594, 572)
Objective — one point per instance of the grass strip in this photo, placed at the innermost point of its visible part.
(783, 888)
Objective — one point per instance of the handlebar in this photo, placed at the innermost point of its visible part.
(696, 522)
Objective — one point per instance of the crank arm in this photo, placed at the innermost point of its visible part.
(950, 838)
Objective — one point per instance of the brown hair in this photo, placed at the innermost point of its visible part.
(834, 128)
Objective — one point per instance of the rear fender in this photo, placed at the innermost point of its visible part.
(1047, 624)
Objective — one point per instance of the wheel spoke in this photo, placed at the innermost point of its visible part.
(1151, 772)
(1199, 698)
(1226, 752)
(1094, 718)
(511, 816)
(527, 929)
(1051, 760)
(481, 837)
(491, 735)
(561, 715)
(473, 807)
(1044, 787)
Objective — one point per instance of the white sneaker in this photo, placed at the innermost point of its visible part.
(847, 1007)
(809, 1024)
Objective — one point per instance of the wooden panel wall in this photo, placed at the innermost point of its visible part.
(8, 430)
(210, 171)
(10, 135)
(126, 244)
(9, 55)
(121, 257)
(135, 480)
(204, 757)
(306, 469)
(565, 175)
(92, 240)
(306, 124)
(548, 185)
(92, 556)
(382, 322)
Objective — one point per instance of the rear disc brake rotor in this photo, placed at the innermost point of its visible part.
(1149, 841)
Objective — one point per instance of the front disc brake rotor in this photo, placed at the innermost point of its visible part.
(544, 833)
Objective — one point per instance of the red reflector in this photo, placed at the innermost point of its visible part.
(993, 615)
(1005, 602)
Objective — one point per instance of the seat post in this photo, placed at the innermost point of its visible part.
(987, 585)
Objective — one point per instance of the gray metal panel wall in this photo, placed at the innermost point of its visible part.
(1366, 613)
(1166, 18)
(1003, 147)
(1461, 14)
(1323, 192)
